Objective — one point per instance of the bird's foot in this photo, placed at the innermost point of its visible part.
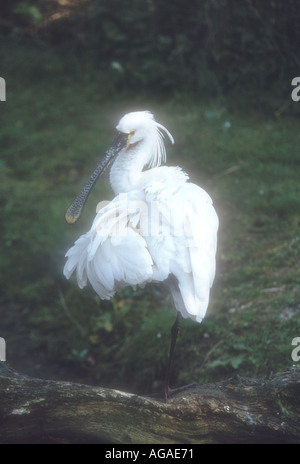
(168, 392)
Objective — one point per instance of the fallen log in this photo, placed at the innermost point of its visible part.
(237, 410)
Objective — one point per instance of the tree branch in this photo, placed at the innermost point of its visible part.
(238, 410)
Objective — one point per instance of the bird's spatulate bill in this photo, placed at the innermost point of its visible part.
(75, 210)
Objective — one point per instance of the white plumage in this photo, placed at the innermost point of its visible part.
(159, 227)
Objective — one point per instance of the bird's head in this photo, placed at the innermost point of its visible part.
(133, 129)
(140, 126)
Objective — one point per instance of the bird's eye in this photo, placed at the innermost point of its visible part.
(131, 133)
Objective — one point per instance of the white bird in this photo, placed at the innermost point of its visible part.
(158, 228)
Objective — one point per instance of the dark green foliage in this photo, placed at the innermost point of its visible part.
(195, 46)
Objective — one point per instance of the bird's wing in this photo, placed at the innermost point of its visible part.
(164, 233)
(201, 225)
(113, 254)
(185, 247)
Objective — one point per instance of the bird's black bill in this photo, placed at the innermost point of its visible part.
(75, 210)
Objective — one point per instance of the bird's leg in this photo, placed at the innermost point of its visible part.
(174, 334)
(167, 390)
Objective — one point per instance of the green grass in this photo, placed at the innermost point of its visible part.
(54, 128)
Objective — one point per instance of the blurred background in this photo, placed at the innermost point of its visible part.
(218, 75)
